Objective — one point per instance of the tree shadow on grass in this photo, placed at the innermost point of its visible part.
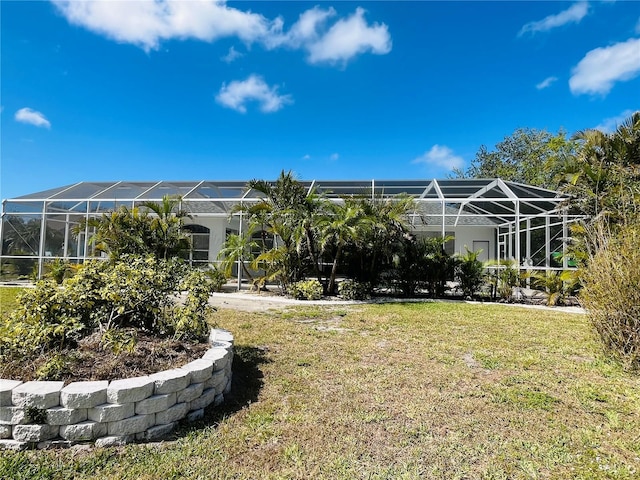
(245, 389)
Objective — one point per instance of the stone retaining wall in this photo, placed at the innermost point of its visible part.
(50, 414)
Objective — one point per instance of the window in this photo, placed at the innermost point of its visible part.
(199, 235)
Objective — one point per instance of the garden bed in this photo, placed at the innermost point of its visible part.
(145, 407)
(91, 361)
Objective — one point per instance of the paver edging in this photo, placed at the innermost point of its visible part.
(117, 411)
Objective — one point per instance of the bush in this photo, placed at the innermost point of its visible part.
(501, 277)
(306, 290)
(557, 286)
(470, 272)
(55, 368)
(190, 319)
(119, 340)
(217, 278)
(132, 293)
(352, 290)
(58, 269)
(610, 291)
(45, 319)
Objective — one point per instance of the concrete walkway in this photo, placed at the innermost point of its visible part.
(256, 302)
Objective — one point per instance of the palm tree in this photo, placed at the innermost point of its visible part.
(155, 228)
(604, 174)
(20, 237)
(119, 232)
(345, 223)
(238, 249)
(387, 227)
(169, 238)
(286, 211)
(280, 203)
(310, 212)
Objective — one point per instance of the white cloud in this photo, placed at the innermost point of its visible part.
(441, 156)
(238, 93)
(608, 125)
(546, 83)
(334, 157)
(348, 38)
(602, 67)
(232, 55)
(306, 157)
(306, 29)
(574, 14)
(146, 23)
(32, 117)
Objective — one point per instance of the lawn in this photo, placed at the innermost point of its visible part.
(432, 390)
(8, 299)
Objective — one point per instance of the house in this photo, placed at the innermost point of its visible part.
(505, 220)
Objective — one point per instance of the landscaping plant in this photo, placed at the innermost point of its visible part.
(306, 290)
(611, 292)
(470, 272)
(132, 293)
(352, 290)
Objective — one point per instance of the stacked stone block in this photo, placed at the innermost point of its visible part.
(50, 414)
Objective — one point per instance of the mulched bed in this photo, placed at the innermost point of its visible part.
(89, 361)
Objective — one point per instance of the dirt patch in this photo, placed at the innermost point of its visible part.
(89, 361)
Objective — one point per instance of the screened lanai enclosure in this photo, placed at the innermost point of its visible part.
(503, 220)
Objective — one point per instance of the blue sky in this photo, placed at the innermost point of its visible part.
(201, 90)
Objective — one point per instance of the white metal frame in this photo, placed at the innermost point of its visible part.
(511, 211)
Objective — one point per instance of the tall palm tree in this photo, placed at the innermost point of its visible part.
(286, 211)
(387, 226)
(345, 223)
(313, 208)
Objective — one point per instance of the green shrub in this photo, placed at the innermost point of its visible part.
(190, 319)
(352, 290)
(611, 292)
(119, 340)
(557, 285)
(58, 269)
(306, 290)
(470, 272)
(501, 277)
(217, 277)
(507, 279)
(55, 368)
(132, 292)
(45, 319)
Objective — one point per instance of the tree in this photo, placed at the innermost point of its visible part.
(530, 156)
(137, 231)
(345, 223)
(119, 232)
(470, 271)
(289, 213)
(387, 226)
(167, 236)
(409, 270)
(604, 175)
(237, 248)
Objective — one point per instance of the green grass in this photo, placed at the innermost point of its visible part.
(434, 390)
(8, 299)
